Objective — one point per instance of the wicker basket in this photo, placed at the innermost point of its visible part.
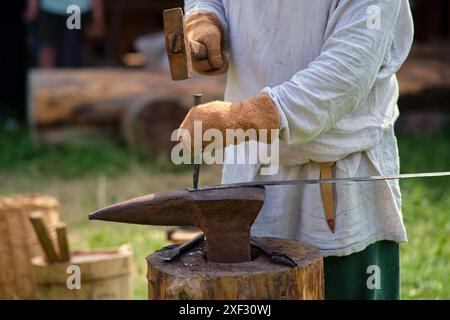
(18, 242)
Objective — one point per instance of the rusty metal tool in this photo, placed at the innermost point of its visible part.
(172, 253)
(275, 255)
(224, 216)
(196, 166)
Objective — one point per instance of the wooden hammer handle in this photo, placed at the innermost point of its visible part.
(43, 235)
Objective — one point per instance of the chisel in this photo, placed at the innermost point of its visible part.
(172, 253)
(196, 166)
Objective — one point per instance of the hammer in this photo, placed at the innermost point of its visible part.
(179, 50)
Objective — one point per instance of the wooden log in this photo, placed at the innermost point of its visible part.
(104, 274)
(63, 96)
(191, 277)
(74, 96)
(146, 106)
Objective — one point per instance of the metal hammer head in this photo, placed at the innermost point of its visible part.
(177, 46)
(224, 215)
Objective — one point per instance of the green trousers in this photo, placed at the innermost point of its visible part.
(372, 274)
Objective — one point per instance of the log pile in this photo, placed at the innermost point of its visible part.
(145, 107)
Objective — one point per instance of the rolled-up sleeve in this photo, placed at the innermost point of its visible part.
(213, 6)
(359, 35)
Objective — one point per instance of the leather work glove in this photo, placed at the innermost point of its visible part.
(256, 113)
(205, 34)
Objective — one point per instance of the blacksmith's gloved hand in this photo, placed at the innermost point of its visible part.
(206, 40)
(255, 113)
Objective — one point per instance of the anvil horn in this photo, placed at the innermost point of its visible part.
(225, 216)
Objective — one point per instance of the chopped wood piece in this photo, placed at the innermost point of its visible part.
(63, 244)
(43, 235)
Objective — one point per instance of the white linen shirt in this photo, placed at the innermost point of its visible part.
(329, 66)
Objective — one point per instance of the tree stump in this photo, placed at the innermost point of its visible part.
(191, 277)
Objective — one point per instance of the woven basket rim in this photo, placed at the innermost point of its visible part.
(30, 199)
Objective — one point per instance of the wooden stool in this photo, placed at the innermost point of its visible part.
(191, 277)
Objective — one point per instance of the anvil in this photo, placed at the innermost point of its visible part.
(224, 215)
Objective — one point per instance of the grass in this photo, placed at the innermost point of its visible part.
(426, 209)
(19, 154)
(85, 177)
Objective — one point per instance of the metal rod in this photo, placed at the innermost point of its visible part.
(196, 166)
(334, 180)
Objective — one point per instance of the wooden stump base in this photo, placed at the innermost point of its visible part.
(191, 277)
